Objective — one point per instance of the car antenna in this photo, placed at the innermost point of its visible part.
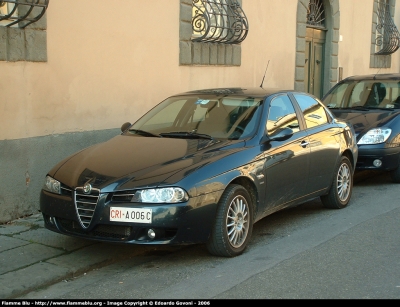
(378, 70)
(262, 82)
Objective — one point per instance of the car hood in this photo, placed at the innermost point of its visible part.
(363, 121)
(122, 160)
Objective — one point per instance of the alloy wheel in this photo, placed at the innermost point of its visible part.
(237, 222)
(343, 182)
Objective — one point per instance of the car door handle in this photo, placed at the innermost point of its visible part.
(304, 144)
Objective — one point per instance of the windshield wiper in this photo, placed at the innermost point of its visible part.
(184, 134)
(143, 133)
(369, 108)
(347, 108)
(384, 108)
(361, 108)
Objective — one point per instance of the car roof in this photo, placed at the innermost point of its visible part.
(392, 76)
(256, 92)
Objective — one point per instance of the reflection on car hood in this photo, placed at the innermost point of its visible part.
(147, 160)
(363, 121)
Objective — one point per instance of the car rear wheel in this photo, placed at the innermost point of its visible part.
(234, 223)
(342, 186)
(395, 174)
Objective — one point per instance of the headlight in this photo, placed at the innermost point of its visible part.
(52, 185)
(162, 195)
(375, 136)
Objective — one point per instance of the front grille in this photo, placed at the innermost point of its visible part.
(100, 231)
(85, 205)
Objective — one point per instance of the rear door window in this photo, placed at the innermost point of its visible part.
(314, 112)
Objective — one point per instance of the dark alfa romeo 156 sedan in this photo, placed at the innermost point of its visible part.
(203, 167)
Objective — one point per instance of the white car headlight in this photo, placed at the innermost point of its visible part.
(162, 195)
(375, 136)
(52, 185)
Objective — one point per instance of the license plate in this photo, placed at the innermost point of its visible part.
(130, 215)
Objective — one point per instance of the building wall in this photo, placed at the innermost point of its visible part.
(108, 62)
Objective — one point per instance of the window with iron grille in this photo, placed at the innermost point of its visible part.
(316, 14)
(385, 35)
(211, 32)
(218, 21)
(22, 30)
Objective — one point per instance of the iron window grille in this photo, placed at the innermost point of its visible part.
(21, 13)
(316, 14)
(218, 21)
(387, 39)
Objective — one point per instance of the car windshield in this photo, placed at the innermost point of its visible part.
(365, 95)
(205, 117)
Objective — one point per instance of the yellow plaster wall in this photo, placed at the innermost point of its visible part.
(110, 61)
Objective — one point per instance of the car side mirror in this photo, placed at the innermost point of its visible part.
(281, 135)
(125, 126)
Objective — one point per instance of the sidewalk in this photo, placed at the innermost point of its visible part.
(33, 257)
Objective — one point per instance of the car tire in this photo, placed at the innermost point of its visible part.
(395, 175)
(342, 186)
(233, 224)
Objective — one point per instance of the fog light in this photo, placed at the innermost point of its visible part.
(151, 233)
(377, 163)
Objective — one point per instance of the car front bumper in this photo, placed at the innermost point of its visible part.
(367, 154)
(184, 223)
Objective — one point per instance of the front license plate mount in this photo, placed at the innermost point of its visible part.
(131, 215)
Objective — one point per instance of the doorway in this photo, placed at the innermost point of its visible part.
(314, 61)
